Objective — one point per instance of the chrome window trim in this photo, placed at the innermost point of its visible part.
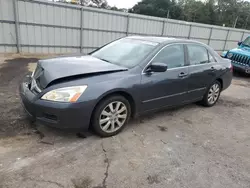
(200, 64)
(159, 52)
(184, 57)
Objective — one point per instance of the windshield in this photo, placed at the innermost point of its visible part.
(247, 42)
(125, 52)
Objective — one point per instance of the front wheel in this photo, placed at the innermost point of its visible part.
(212, 95)
(111, 115)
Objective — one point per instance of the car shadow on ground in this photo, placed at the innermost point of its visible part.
(50, 135)
(242, 76)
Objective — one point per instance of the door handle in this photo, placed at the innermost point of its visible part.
(183, 74)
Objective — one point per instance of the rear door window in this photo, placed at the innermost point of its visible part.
(197, 54)
(210, 57)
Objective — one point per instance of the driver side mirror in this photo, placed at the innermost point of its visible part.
(239, 43)
(157, 67)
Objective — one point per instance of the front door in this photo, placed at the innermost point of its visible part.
(159, 89)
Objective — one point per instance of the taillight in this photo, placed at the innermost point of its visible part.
(231, 67)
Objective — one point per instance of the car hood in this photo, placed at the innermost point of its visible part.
(241, 51)
(49, 70)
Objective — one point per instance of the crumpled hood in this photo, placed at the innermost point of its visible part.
(53, 69)
(241, 51)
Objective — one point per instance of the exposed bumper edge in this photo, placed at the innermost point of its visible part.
(53, 114)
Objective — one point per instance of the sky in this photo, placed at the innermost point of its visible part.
(122, 3)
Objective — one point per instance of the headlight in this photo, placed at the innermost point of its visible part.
(66, 94)
(229, 55)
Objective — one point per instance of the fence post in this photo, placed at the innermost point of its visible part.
(190, 29)
(127, 27)
(81, 30)
(210, 35)
(226, 40)
(163, 27)
(242, 35)
(16, 19)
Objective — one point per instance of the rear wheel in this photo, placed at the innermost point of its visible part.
(111, 115)
(212, 95)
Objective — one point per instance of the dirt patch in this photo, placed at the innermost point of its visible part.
(244, 83)
(32, 67)
(162, 128)
(234, 103)
(153, 179)
(13, 118)
(82, 182)
(187, 121)
(241, 79)
(14, 69)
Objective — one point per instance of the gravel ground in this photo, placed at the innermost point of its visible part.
(189, 146)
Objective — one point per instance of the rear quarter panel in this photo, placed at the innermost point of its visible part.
(227, 73)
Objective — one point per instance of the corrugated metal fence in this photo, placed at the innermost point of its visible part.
(45, 27)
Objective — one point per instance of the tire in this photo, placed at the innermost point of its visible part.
(106, 122)
(211, 92)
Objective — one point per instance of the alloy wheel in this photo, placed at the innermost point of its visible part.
(113, 117)
(213, 93)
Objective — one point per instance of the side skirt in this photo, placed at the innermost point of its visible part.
(167, 107)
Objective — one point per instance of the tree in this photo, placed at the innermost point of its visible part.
(216, 12)
(91, 3)
(160, 8)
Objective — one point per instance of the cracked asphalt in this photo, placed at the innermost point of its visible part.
(189, 146)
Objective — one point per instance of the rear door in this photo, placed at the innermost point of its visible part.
(202, 70)
(168, 88)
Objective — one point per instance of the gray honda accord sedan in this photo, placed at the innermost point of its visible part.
(122, 79)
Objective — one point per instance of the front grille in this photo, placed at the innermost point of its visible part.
(240, 59)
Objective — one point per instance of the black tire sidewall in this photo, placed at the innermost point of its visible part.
(101, 106)
(205, 98)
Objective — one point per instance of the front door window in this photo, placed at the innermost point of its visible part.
(172, 55)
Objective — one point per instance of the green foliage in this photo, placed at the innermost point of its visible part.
(216, 12)
(90, 3)
(160, 8)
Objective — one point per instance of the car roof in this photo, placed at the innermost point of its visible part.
(162, 39)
